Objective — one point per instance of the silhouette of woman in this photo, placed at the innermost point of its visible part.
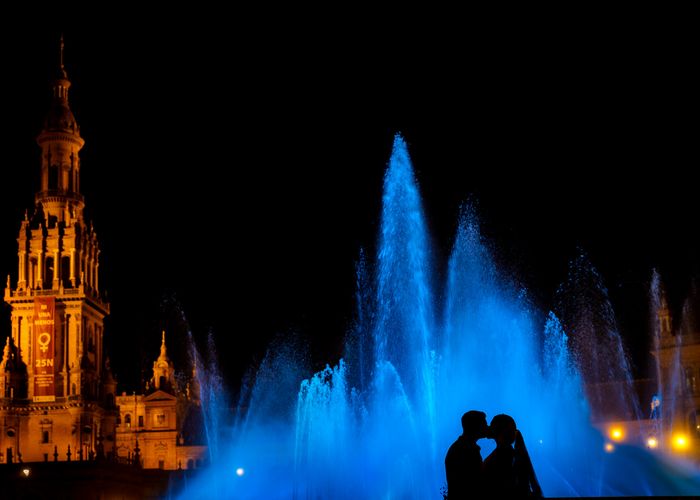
(508, 471)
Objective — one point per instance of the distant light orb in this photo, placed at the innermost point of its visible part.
(652, 442)
(541, 441)
(680, 442)
(609, 447)
(26, 472)
(617, 433)
(240, 471)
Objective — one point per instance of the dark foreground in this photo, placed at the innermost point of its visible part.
(88, 480)
(106, 481)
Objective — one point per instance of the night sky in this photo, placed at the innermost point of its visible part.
(238, 174)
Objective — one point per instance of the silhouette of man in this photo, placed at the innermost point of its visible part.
(508, 472)
(463, 463)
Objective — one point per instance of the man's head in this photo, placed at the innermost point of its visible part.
(474, 424)
(503, 429)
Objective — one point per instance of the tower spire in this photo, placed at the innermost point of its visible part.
(163, 370)
(53, 304)
(60, 143)
(61, 67)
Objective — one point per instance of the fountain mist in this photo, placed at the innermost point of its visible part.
(588, 317)
(379, 425)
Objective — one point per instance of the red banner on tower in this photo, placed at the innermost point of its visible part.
(43, 349)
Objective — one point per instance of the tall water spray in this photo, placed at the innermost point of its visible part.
(588, 317)
(657, 304)
(378, 424)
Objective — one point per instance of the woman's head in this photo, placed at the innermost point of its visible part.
(503, 429)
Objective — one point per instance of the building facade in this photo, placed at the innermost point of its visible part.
(669, 402)
(678, 358)
(164, 424)
(58, 398)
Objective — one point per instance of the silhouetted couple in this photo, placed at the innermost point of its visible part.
(506, 473)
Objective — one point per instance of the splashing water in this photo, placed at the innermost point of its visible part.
(209, 386)
(588, 316)
(675, 417)
(657, 301)
(380, 425)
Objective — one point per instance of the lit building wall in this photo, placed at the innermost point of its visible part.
(57, 393)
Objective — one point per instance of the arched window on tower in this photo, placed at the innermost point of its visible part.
(71, 172)
(53, 176)
(127, 421)
(32, 272)
(46, 430)
(65, 271)
(48, 281)
(91, 339)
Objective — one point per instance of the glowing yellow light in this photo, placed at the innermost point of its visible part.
(652, 442)
(240, 471)
(609, 447)
(26, 472)
(617, 433)
(680, 442)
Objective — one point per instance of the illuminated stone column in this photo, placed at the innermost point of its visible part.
(72, 267)
(18, 339)
(73, 246)
(93, 273)
(22, 274)
(66, 350)
(31, 276)
(83, 267)
(88, 272)
(15, 329)
(56, 269)
(39, 269)
(78, 338)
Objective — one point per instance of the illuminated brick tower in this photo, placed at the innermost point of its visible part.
(57, 394)
(55, 390)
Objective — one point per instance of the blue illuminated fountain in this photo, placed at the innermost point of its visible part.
(378, 423)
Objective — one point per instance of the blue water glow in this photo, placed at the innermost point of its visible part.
(378, 423)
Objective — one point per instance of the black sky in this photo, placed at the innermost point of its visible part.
(239, 173)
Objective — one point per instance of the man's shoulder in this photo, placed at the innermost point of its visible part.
(456, 447)
(462, 447)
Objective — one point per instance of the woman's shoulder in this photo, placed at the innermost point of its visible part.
(500, 453)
